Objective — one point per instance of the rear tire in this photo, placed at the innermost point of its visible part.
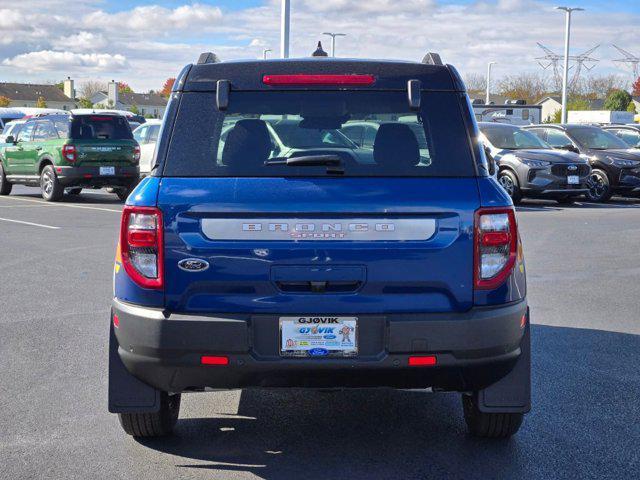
(155, 424)
(489, 425)
(5, 186)
(599, 186)
(509, 182)
(52, 191)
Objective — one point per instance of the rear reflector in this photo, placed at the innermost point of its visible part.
(427, 361)
(346, 80)
(116, 321)
(211, 360)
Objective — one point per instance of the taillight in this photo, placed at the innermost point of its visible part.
(496, 244)
(70, 153)
(331, 79)
(136, 153)
(141, 244)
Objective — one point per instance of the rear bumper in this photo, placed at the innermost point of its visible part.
(474, 350)
(89, 176)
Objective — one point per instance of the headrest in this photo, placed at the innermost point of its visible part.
(248, 144)
(396, 146)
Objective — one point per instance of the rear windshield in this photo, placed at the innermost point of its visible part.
(260, 131)
(100, 127)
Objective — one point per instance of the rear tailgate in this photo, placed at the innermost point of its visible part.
(403, 244)
(105, 152)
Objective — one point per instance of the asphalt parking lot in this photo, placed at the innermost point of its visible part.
(584, 290)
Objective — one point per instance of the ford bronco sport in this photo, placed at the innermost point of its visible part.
(242, 267)
(71, 152)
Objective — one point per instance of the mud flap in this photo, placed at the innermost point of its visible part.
(511, 394)
(127, 394)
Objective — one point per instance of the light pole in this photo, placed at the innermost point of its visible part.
(285, 20)
(487, 97)
(333, 40)
(264, 53)
(565, 72)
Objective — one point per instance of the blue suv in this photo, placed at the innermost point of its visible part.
(245, 264)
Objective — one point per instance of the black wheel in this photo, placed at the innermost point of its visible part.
(566, 200)
(123, 192)
(5, 186)
(510, 183)
(599, 186)
(153, 424)
(489, 425)
(74, 191)
(52, 191)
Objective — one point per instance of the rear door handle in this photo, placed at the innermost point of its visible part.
(38, 148)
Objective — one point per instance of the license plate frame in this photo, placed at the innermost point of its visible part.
(318, 336)
(573, 179)
(107, 171)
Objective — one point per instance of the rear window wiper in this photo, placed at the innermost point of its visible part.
(332, 162)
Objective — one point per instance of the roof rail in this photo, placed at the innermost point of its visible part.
(208, 57)
(432, 58)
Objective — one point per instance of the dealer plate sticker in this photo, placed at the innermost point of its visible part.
(107, 170)
(316, 336)
(573, 179)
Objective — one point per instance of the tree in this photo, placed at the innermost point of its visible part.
(632, 108)
(635, 88)
(166, 88)
(124, 88)
(89, 88)
(41, 103)
(85, 103)
(134, 109)
(524, 86)
(4, 101)
(617, 100)
(475, 83)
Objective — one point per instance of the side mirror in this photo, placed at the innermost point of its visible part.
(492, 161)
(10, 139)
(570, 148)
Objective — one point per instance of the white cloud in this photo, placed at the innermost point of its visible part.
(48, 60)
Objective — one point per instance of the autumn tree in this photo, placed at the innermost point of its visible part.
(134, 109)
(123, 87)
(4, 101)
(524, 86)
(635, 88)
(166, 88)
(41, 103)
(618, 100)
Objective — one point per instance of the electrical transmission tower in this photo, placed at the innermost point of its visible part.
(581, 62)
(630, 60)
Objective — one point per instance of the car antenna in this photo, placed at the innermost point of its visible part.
(319, 51)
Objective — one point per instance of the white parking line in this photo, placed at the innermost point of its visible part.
(46, 204)
(29, 223)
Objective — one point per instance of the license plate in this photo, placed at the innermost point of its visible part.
(573, 179)
(107, 170)
(316, 336)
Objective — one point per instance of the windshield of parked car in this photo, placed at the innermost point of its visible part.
(630, 137)
(100, 127)
(267, 125)
(596, 139)
(509, 138)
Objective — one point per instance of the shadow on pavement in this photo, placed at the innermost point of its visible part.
(534, 205)
(584, 424)
(88, 197)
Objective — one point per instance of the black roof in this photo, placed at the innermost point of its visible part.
(247, 75)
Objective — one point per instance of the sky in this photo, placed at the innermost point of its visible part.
(143, 42)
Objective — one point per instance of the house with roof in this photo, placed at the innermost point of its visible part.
(28, 94)
(552, 104)
(147, 104)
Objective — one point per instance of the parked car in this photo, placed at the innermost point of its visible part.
(615, 167)
(72, 152)
(8, 115)
(629, 134)
(529, 167)
(241, 268)
(11, 128)
(147, 135)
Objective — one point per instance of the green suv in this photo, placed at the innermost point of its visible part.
(71, 152)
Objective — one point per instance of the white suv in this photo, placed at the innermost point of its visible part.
(147, 136)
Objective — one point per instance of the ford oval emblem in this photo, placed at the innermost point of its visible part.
(318, 352)
(193, 265)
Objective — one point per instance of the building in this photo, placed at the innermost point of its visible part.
(147, 104)
(27, 95)
(552, 104)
